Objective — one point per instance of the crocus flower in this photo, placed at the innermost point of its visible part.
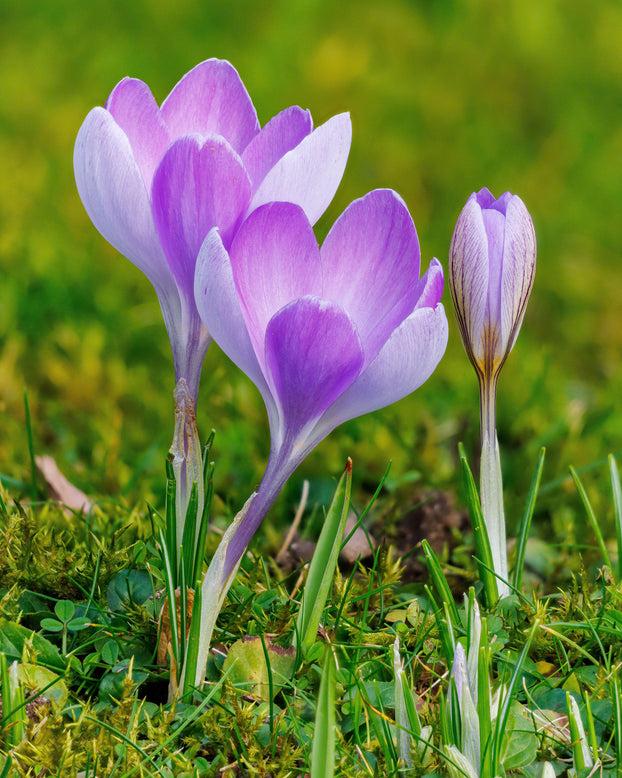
(155, 180)
(325, 334)
(492, 264)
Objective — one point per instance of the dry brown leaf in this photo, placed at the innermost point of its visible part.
(59, 488)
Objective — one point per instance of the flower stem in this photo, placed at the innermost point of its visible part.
(491, 486)
(187, 461)
(280, 466)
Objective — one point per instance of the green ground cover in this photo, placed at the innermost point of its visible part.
(446, 96)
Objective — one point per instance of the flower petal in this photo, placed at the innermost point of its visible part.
(281, 134)
(406, 361)
(275, 259)
(113, 192)
(519, 267)
(430, 286)
(211, 99)
(370, 260)
(199, 184)
(309, 174)
(136, 112)
(468, 274)
(494, 225)
(217, 302)
(313, 354)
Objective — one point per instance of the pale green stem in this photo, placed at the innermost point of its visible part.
(491, 486)
(401, 714)
(187, 461)
(214, 588)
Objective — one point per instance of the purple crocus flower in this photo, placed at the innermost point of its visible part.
(492, 264)
(155, 180)
(325, 334)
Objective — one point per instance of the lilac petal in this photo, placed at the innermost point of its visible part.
(275, 259)
(134, 109)
(113, 192)
(502, 202)
(370, 259)
(218, 305)
(430, 286)
(484, 198)
(309, 174)
(519, 267)
(494, 225)
(405, 362)
(211, 99)
(468, 274)
(313, 354)
(280, 135)
(199, 184)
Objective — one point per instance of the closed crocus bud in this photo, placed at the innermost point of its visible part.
(492, 263)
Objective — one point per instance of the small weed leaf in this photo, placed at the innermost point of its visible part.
(64, 610)
(129, 587)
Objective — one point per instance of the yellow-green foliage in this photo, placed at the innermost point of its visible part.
(43, 552)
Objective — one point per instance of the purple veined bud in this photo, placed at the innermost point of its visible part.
(492, 264)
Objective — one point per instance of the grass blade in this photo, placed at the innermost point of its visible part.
(581, 756)
(439, 580)
(324, 561)
(484, 559)
(525, 524)
(483, 702)
(616, 696)
(192, 648)
(502, 718)
(591, 516)
(169, 582)
(34, 489)
(617, 504)
(323, 750)
(170, 538)
(6, 767)
(402, 707)
(591, 728)
(208, 491)
(189, 537)
(13, 719)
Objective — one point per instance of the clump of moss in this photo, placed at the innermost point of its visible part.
(43, 550)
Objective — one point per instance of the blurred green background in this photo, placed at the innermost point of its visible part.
(446, 96)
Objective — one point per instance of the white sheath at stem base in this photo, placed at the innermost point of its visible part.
(491, 484)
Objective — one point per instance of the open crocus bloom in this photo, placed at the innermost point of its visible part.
(155, 181)
(326, 335)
